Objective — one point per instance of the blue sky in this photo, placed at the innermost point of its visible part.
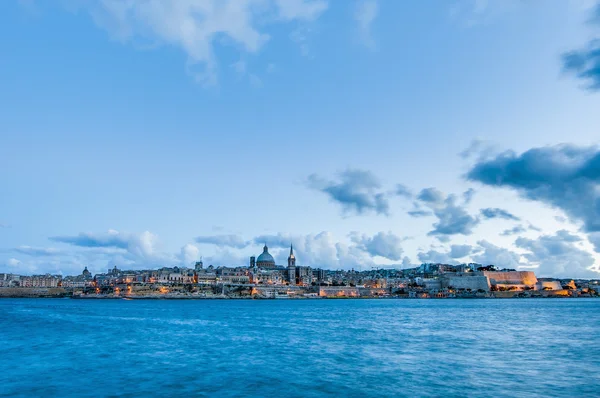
(150, 133)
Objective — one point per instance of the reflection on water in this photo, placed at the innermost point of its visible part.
(300, 348)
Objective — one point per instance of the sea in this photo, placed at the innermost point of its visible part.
(300, 348)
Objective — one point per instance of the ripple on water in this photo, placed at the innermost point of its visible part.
(308, 348)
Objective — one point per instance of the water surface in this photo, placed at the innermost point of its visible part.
(300, 348)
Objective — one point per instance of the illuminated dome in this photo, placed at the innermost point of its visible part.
(265, 259)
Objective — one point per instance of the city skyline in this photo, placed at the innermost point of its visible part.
(366, 133)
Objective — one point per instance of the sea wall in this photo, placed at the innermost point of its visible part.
(32, 292)
(338, 291)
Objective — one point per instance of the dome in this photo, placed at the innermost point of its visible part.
(265, 257)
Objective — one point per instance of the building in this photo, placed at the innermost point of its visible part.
(291, 269)
(265, 260)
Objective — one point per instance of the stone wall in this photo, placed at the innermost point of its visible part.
(549, 285)
(526, 278)
(466, 281)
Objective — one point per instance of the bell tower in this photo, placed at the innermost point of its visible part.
(291, 266)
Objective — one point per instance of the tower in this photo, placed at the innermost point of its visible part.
(292, 266)
(291, 258)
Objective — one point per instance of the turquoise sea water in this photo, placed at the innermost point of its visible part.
(300, 348)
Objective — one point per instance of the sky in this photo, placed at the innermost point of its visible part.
(368, 133)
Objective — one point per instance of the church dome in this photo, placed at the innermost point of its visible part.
(265, 257)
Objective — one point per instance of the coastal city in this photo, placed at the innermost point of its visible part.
(262, 278)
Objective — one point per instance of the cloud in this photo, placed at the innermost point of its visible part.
(233, 241)
(431, 196)
(482, 149)
(357, 191)
(435, 257)
(484, 253)
(196, 26)
(189, 254)
(495, 212)
(383, 244)
(558, 255)
(320, 250)
(13, 262)
(566, 177)
(496, 255)
(37, 251)
(403, 191)
(460, 251)
(452, 218)
(519, 229)
(584, 64)
(4, 225)
(594, 239)
(365, 13)
(419, 213)
(135, 249)
(323, 250)
(468, 195)
(111, 239)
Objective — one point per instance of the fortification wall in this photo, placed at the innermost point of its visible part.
(549, 285)
(473, 282)
(511, 277)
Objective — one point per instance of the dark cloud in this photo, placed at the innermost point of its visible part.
(357, 191)
(419, 213)
(494, 212)
(234, 241)
(452, 218)
(585, 64)
(594, 239)
(460, 251)
(564, 176)
(431, 196)
(519, 229)
(558, 255)
(383, 244)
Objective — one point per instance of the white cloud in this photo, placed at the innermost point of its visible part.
(13, 262)
(365, 13)
(195, 26)
(189, 254)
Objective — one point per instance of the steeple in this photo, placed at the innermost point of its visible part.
(291, 258)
